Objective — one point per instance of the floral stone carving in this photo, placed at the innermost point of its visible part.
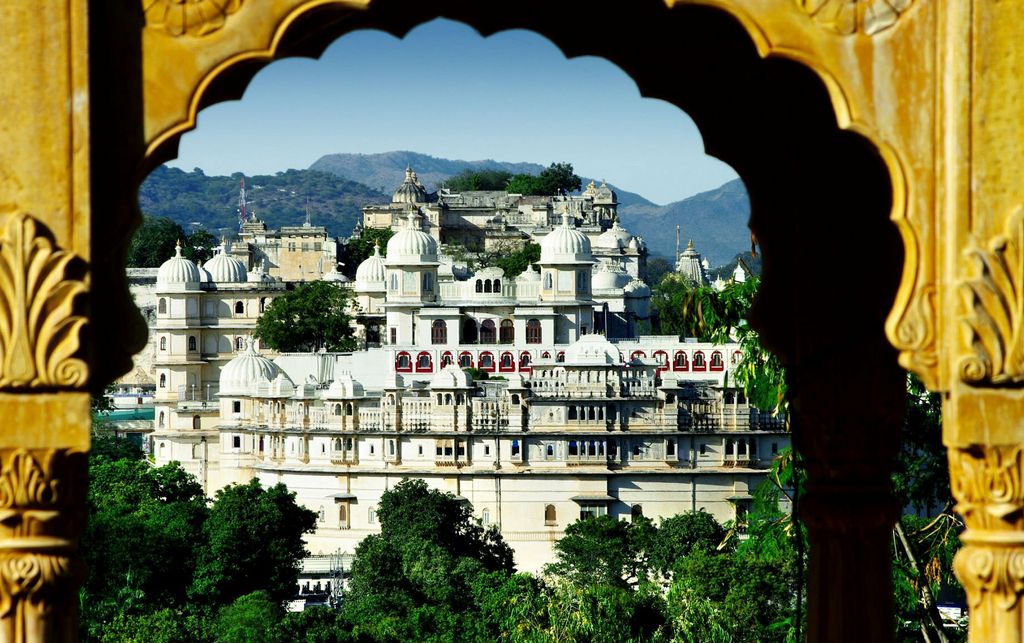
(39, 332)
(852, 16)
(995, 303)
(188, 17)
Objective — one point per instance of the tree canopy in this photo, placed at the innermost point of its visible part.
(155, 239)
(468, 180)
(313, 316)
(357, 249)
(557, 178)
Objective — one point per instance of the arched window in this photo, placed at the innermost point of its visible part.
(486, 361)
(662, 358)
(439, 332)
(160, 423)
(507, 332)
(163, 343)
(239, 343)
(560, 357)
(446, 358)
(572, 414)
(488, 334)
(515, 449)
(394, 281)
(636, 512)
(549, 516)
(728, 447)
(698, 361)
(423, 362)
(479, 285)
(515, 398)
(428, 282)
(581, 281)
(716, 361)
(263, 304)
(637, 355)
(497, 285)
(533, 331)
(487, 285)
(161, 306)
(196, 423)
(507, 362)
(680, 362)
(337, 409)
(239, 308)
(485, 516)
(670, 448)
(348, 409)
(403, 361)
(191, 342)
(469, 332)
(545, 355)
(547, 281)
(163, 380)
(465, 360)
(524, 361)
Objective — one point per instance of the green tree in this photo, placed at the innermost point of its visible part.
(681, 534)
(357, 249)
(515, 261)
(255, 543)
(140, 542)
(468, 180)
(554, 179)
(153, 242)
(605, 613)
(313, 316)
(249, 619)
(198, 246)
(656, 269)
(598, 550)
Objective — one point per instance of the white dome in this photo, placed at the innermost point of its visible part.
(608, 278)
(451, 376)
(344, 387)
(178, 271)
(592, 349)
(247, 370)
(225, 269)
(371, 270)
(411, 245)
(637, 288)
(614, 238)
(531, 274)
(410, 191)
(565, 245)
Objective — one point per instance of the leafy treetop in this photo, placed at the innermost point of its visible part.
(313, 316)
(154, 242)
(557, 178)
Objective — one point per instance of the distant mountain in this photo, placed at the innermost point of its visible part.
(715, 220)
(386, 171)
(280, 199)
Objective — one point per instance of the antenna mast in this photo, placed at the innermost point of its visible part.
(677, 244)
(242, 203)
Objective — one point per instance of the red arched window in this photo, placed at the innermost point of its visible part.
(465, 360)
(698, 362)
(524, 361)
(662, 358)
(507, 332)
(533, 331)
(680, 363)
(488, 333)
(637, 355)
(403, 362)
(736, 357)
(486, 361)
(424, 363)
(447, 359)
(507, 363)
(717, 363)
(546, 355)
(439, 332)
(560, 357)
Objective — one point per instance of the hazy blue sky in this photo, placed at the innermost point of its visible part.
(446, 91)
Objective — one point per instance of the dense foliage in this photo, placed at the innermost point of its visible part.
(357, 249)
(313, 316)
(486, 179)
(160, 560)
(155, 239)
(557, 178)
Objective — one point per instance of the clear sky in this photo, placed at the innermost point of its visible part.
(448, 92)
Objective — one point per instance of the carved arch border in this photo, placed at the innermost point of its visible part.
(910, 325)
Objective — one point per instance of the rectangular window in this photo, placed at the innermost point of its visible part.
(394, 335)
(419, 449)
(236, 442)
(236, 407)
(487, 449)
(703, 449)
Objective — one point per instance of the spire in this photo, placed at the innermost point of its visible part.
(177, 248)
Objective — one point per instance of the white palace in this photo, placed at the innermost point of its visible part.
(578, 416)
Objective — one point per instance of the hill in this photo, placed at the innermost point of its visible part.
(280, 199)
(715, 220)
(385, 171)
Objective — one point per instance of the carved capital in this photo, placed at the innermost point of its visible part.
(855, 16)
(39, 332)
(188, 17)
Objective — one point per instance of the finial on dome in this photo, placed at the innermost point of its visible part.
(177, 248)
(411, 218)
(565, 219)
(408, 172)
(250, 345)
(376, 248)
(689, 244)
